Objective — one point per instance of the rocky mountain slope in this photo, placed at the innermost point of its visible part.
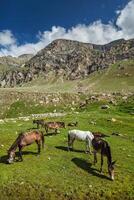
(69, 60)
(9, 64)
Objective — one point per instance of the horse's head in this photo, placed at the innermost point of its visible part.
(111, 170)
(34, 121)
(11, 156)
(76, 124)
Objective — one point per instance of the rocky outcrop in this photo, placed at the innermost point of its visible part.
(69, 60)
(12, 70)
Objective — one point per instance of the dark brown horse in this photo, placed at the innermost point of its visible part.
(39, 122)
(54, 125)
(100, 145)
(25, 139)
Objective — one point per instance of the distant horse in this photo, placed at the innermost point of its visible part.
(86, 136)
(25, 139)
(54, 125)
(100, 145)
(73, 124)
(39, 122)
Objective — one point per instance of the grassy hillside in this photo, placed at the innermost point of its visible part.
(58, 174)
(118, 77)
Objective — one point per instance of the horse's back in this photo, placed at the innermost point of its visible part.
(30, 137)
(81, 135)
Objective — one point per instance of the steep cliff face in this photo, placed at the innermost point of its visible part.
(70, 60)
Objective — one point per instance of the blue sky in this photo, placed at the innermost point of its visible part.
(26, 17)
(32, 22)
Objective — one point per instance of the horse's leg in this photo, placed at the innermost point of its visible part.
(56, 131)
(20, 152)
(39, 146)
(87, 147)
(101, 163)
(88, 144)
(72, 143)
(95, 157)
(69, 142)
(46, 129)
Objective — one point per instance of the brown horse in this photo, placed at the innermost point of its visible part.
(39, 122)
(54, 125)
(25, 139)
(104, 148)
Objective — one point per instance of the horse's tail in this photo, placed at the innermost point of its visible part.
(69, 138)
(43, 139)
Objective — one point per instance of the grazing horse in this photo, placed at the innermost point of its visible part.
(25, 139)
(104, 148)
(54, 125)
(86, 136)
(39, 122)
(73, 124)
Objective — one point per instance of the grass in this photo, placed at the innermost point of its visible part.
(58, 174)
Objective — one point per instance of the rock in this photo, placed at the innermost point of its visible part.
(117, 134)
(113, 120)
(93, 122)
(112, 102)
(49, 158)
(1, 121)
(124, 98)
(105, 107)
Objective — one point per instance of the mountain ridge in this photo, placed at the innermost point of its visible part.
(70, 60)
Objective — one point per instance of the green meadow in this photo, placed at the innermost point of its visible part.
(59, 174)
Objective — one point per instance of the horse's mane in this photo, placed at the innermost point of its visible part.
(14, 145)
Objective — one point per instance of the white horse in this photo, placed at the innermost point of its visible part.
(86, 136)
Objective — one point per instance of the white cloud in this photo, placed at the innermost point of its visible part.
(125, 20)
(6, 38)
(97, 33)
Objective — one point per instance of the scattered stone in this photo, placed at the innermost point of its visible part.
(93, 98)
(117, 134)
(129, 155)
(105, 107)
(26, 119)
(19, 124)
(21, 183)
(49, 158)
(1, 121)
(93, 122)
(124, 98)
(113, 102)
(113, 120)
